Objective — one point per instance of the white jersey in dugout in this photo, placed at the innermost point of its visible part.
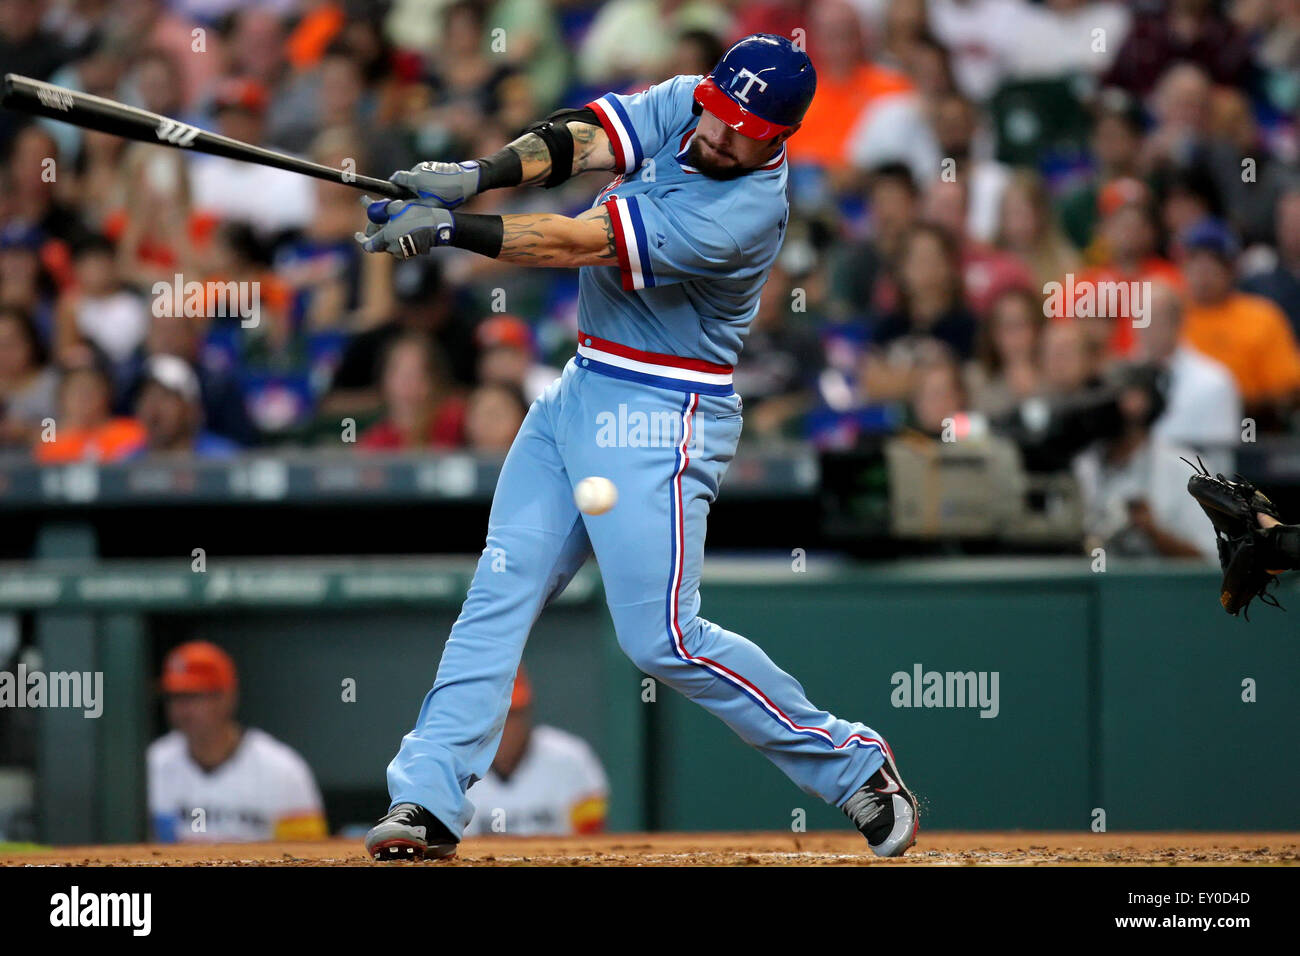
(263, 791)
(558, 788)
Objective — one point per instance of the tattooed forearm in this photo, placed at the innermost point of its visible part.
(591, 148)
(601, 215)
(547, 240)
(523, 241)
(534, 157)
(591, 151)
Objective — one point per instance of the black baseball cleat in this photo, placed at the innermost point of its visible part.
(885, 811)
(410, 832)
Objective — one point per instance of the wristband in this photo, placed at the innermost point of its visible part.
(481, 234)
(502, 169)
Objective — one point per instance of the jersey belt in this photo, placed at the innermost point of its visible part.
(653, 368)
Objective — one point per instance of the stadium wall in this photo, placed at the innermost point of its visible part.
(1119, 691)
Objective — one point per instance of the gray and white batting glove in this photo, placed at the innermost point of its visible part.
(448, 184)
(405, 227)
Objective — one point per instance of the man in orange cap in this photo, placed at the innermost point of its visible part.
(543, 781)
(211, 780)
(508, 356)
(268, 200)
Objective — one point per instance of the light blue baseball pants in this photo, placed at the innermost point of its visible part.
(666, 451)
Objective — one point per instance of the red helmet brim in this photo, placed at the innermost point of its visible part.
(711, 98)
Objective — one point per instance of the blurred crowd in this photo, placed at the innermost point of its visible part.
(961, 159)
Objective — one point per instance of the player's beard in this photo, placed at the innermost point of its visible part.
(695, 156)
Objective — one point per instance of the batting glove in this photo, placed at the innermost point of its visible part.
(405, 227)
(447, 184)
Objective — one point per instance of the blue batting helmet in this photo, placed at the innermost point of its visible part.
(761, 87)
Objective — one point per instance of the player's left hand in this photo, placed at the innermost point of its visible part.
(447, 184)
(405, 227)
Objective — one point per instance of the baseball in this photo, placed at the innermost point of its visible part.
(595, 495)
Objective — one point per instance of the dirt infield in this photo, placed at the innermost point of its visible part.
(728, 849)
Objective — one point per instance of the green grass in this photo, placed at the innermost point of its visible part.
(21, 847)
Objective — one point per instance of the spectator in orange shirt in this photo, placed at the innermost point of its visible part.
(420, 410)
(1128, 244)
(313, 34)
(847, 85)
(1247, 333)
(85, 429)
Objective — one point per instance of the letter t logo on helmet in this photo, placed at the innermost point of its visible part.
(760, 88)
(750, 79)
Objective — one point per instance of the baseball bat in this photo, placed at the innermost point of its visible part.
(37, 98)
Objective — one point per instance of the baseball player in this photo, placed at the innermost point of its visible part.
(214, 781)
(672, 255)
(543, 781)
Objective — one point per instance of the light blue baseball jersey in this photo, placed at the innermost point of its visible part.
(694, 252)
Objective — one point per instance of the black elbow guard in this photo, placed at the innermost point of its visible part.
(554, 132)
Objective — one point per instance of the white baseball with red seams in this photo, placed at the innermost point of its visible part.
(595, 495)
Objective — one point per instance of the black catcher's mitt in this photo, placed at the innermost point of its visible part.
(1248, 554)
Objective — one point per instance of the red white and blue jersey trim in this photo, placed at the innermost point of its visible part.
(653, 368)
(628, 154)
(630, 243)
(677, 517)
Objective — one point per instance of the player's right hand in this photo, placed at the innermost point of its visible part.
(447, 184)
(405, 227)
